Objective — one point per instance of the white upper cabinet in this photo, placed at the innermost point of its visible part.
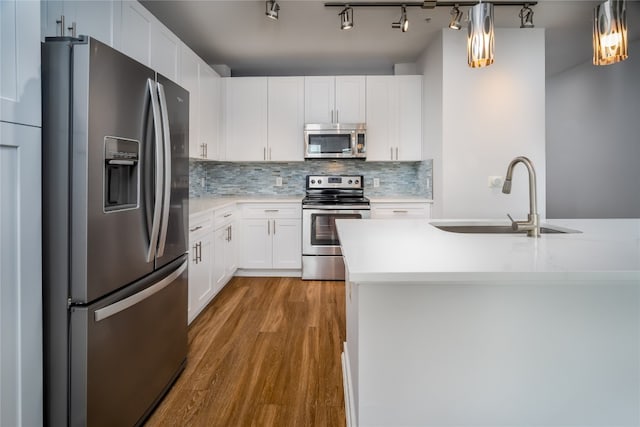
(339, 99)
(189, 63)
(350, 99)
(246, 118)
(95, 18)
(164, 51)
(285, 118)
(133, 32)
(209, 109)
(20, 62)
(394, 118)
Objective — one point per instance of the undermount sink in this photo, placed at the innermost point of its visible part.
(484, 228)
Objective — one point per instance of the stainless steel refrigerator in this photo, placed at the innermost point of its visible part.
(115, 212)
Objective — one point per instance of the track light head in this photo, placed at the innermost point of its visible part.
(403, 23)
(346, 18)
(526, 17)
(456, 18)
(272, 9)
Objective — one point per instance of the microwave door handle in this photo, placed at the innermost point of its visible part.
(155, 224)
(167, 170)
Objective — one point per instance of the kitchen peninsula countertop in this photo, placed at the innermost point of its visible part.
(483, 329)
(415, 250)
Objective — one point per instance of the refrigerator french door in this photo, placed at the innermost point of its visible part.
(115, 206)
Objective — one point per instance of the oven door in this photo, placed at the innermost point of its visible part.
(319, 234)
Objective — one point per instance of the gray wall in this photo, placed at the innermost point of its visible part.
(404, 179)
(593, 140)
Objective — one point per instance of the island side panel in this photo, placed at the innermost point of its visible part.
(549, 354)
(352, 347)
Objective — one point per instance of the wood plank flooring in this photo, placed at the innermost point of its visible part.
(265, 352)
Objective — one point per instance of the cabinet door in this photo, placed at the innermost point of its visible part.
(381, 118)
(409, 111)
(350, 99)
(21, 361)
(286, 118)
(209, 110)
(189, 80)
(20, 62)
(164, 51)
(134, 31)
(246, 118)
(200, 269)
(221, 242)
(319, 99)
(287, 243)
(231, 253)
(255, 248)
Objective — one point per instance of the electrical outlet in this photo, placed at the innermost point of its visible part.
(495, 181)
(376, 182)
(278, 181)
(202, 183)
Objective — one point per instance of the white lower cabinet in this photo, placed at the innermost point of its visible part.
(400, 210)
(20, 276)
(224, 256)
(200, 264)
(271, 237)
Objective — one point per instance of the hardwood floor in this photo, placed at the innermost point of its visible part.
(265, 352)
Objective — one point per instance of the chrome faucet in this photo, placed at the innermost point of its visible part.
(532, 224)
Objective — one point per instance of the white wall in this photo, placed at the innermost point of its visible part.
(593, 142)
(489, 116)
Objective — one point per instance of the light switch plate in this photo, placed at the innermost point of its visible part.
(376, 182)
(278, 181)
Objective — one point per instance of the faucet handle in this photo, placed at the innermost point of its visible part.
(514, 224)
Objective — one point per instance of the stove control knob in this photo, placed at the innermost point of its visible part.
(357, 181)
(313, 181)
(319, 181)
(350, 181)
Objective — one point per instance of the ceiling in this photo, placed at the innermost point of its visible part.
(307, 40)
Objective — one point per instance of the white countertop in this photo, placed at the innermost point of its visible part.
(399, 200)
(415, 251)
(201, 204)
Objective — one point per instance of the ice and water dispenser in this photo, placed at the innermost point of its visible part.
(121, 173)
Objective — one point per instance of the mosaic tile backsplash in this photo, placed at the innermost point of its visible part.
(397, 179)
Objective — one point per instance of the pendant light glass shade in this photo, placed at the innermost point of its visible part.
(480, 39)
(610, 32)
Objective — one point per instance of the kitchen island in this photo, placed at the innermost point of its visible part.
(458, 329)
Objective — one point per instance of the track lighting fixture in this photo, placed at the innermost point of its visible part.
(456, 18)
(346, 18)
(272, 9)
(403, 23)
(480, 39)
(610, 32)
(526, 17)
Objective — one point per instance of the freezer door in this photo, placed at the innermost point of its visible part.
(112, 171)
(174, 105)
(127, 351)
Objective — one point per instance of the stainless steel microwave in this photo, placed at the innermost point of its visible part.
(335, 141)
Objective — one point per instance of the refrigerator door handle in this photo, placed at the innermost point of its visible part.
(167, 170)
(134, 299)
(155, 225)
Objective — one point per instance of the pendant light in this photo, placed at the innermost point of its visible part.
(610, 32)
(480, 39)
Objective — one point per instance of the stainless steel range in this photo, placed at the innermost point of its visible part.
(328, 197)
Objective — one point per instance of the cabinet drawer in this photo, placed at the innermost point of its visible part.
(275, 210)
(223, 216)
(398, 211)
(200, 224)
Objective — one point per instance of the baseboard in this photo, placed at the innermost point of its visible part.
(349, 403)
(241, 272)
